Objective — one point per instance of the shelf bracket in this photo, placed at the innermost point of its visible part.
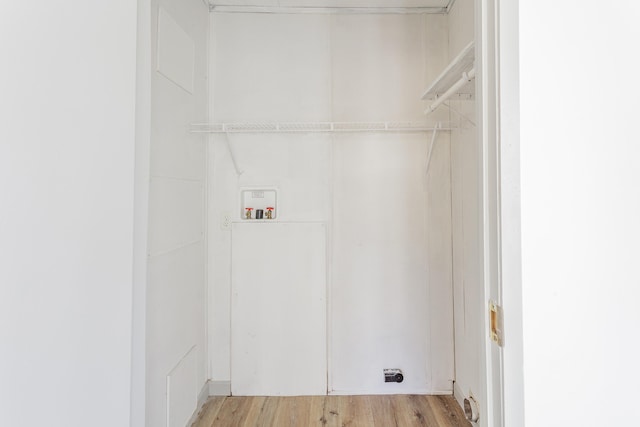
(232, 153)
(433, 140)
(466, 78)
(446, 104)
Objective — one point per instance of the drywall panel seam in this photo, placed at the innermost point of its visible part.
(330, 34)
(203, 396)
(212, 65)
(211, 191)
(230, 303)
(329, 286)
(175, 57)
(423, 41)
(177, 248)
(329, 319)
(206, 207)
(453, 298)
(169, 382)
(429, 286)
(330, 25)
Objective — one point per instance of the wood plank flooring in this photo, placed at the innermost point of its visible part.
(332, 411)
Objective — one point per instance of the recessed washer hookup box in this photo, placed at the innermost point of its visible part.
(258, 203)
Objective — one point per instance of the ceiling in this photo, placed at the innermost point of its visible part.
(422, 6)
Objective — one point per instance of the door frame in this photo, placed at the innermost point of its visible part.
(497, 62)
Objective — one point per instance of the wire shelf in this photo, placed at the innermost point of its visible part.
(308, 127)
(462, 63)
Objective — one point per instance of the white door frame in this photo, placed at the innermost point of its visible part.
(497, 59)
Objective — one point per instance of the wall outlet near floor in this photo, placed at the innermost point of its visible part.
(393, 375)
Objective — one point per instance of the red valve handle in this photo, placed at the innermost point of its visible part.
(269, 209)
(249, 209)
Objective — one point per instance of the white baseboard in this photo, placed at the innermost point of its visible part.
(458, 394)
(203, 396)
(219, 388)
(426, 392)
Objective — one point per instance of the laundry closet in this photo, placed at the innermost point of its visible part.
(136, 136)
(314, 204)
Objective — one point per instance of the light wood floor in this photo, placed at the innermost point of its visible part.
(339, 411)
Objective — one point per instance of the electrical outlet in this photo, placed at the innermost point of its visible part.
(225, 221)
(393, 375)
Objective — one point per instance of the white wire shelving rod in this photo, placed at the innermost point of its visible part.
(290, 127)
(453, 79)
(328, 9)
(463, 62)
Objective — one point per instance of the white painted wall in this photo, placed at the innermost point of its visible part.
(260, 72)
(580, 210)
(391, 307)
(391, 285)
(67, 139)
(341, 68)
(176, 295)
(141, 213)
(278, 309)
(466, 188)
(461, 26)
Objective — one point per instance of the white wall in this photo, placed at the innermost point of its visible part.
(261, 72)
(580, 210)
(390, 291)
(66, 220)
(141, 213)
(176, 352)
(370, 189)
(278, 308)
(466, 224)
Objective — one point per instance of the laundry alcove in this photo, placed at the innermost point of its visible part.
(371, 258)
(456, 226)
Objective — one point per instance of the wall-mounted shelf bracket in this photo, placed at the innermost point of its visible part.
(459, 113)
(454, 80)
(433, 140)
(233, 155)
(466, 78)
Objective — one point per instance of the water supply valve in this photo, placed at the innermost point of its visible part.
(269, 212)
(247, 215)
